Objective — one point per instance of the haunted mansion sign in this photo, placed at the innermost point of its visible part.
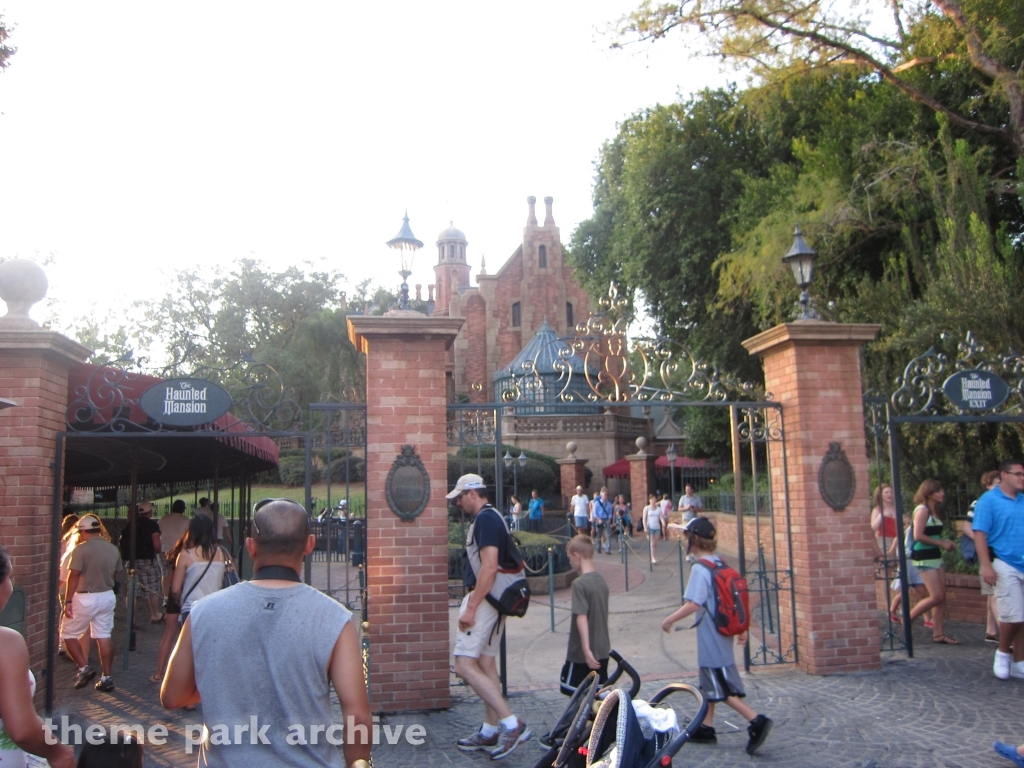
(976, 390)
(185, 402)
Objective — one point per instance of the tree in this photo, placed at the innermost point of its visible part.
(6, 50)
(928, 40)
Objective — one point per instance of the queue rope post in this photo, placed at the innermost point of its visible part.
(504, 667)
(551, 584)
(682, 585)
(625, 563)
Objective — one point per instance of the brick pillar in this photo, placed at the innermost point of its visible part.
(572, 473)
(34, 374)
(813, 369)
(641, 476)
(407, 562)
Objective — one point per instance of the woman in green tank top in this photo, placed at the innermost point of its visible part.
(927, 556)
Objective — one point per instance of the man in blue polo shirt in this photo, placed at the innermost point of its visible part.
(999, 524)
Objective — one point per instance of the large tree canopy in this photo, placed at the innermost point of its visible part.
(912, 45)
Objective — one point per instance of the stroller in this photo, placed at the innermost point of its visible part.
(599, 726)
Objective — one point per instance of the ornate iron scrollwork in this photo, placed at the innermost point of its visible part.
(259, 397)
(919, 390)
(599, 364)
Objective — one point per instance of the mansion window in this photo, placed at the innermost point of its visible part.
(568, 316)
(542, 257)
(516, 315)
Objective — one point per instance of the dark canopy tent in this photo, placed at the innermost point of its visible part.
(97, 455)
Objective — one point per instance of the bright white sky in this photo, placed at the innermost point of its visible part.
(140, 137)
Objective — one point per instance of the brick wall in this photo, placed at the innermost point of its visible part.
(33, 373)
(813, 369)
(474, 368)
(573, 473)
(407, 562)
(641, 481)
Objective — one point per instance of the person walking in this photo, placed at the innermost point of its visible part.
(690, 504)
(199, 567)
(21, 730)
(172, 611)
(480, 626)
(580, 506)
(927, 557)
(999, 524)
(536, 511)
(89, 601)
(589, 644)
(517, 513)
(989, 480)
(652, 524)
(623, 514)
(719, 678)
(602, 522)
(262, 656)
(149, 571)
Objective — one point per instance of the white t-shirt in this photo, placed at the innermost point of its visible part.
(580, 505)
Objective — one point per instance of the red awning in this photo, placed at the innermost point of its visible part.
(682, 462)
(619, 469)
(103, 458)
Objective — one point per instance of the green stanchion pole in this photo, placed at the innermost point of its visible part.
(625, 561)
(551, 584)
(682, 586)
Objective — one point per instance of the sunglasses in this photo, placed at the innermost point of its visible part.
(262, 503)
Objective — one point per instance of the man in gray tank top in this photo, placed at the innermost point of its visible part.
(261, 657)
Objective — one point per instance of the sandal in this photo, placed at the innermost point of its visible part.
(945, 640)
(156, 678)
(895, 618)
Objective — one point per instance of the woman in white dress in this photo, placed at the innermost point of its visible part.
(20, 727)
(652, 524)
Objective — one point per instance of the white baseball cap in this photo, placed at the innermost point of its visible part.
(89, 523)
(466, 483)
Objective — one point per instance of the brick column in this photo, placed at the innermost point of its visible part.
(407, 562)
(813, 369)
(34, 374)
(641, 476)
(572, 473)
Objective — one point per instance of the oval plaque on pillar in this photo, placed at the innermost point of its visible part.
(408, 485)
(837, 482)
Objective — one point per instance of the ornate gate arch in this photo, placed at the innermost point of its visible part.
(601, 369)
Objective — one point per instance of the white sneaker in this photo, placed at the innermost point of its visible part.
(1017, 669)
(1001, 665)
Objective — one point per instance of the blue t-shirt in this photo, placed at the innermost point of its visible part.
(1001, 519)
(536, 508)
(602, 509)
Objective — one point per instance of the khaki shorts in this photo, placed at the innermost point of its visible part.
(484, 637)
(92, 611)
(1009, 593)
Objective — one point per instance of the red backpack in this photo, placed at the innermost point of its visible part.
(732, 602)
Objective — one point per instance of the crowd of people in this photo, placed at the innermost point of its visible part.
(490, 552)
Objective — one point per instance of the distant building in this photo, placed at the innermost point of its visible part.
(504, 311)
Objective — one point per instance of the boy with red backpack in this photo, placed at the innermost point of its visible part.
(719, 593)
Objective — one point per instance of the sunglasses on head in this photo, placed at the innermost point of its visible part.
(262, 503)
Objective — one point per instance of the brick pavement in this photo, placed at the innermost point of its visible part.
(942, 709)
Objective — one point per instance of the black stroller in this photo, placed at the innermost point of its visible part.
(600, 728)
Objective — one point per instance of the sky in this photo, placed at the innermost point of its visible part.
(140, 138)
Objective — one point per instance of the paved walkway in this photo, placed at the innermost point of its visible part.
(942, 709)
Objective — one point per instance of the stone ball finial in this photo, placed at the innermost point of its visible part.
(22, 284)
(571, 448)
(641, 445)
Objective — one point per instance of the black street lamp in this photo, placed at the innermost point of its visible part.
(801, 260)
(515, 465)
(671, 455)
(406, 244)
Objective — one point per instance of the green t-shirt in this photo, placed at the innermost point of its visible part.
(590, 599)
(97, 560)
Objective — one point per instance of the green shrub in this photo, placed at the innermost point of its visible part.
(291, 470)
(356, 470)
(541, 471)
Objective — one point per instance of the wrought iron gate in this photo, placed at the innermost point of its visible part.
(923, 395)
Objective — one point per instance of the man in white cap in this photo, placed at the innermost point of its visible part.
(89, 601)
(480, 625)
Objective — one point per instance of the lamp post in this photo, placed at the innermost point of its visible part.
(515, 465)
(801, 260)
(671, 455)
(406, 244)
